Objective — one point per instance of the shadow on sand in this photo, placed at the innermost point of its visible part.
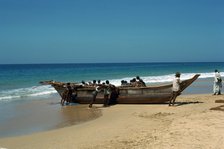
(219, 101)
(185, 103)
(219, 108)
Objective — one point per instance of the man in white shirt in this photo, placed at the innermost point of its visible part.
(175, 88)
(217, 83)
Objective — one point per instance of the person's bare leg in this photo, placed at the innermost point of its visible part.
(62, 101)
(174, 98)
(171, 99)
(93, 100)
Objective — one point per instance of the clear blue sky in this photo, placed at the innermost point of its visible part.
(89, 31)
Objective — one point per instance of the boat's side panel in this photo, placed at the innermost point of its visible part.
(129, 100)
(145, 95)
(126, 95)
(144, 90)
(155, 98)
(134, 95)
(87, 100)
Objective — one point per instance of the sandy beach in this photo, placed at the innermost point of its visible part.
(189, 124)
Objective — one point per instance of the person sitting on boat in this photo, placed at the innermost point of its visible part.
(99, 82)
(140, 82)
(84, 83)
(94, 83)
(91, 84)
(133, 82)
(175, 88)
(217, 83)
(123, 83)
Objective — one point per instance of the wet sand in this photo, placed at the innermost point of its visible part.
(189, 124)
(40, 115)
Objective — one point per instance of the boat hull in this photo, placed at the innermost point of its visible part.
(129, 95)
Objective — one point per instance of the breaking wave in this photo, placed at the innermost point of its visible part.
(14, 94)
(166, 78)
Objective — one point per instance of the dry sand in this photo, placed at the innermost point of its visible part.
(188, 125)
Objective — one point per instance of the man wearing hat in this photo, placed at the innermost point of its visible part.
(175, 88)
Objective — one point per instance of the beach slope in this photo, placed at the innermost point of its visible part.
(189, 124)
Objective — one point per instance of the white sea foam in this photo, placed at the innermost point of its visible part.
(7, 95)
(165, 78)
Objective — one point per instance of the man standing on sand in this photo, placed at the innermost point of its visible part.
(110, 94)
(107, 92)
(67, 95)
(98, 88)
(217, 83)
(175, 88)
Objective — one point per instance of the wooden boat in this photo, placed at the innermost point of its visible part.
(127, 95)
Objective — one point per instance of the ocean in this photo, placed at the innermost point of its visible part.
(21, 81)
(18, 82)
(22, 97)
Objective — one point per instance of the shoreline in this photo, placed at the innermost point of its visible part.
(30, 115)
(38, 115)
(189, 124)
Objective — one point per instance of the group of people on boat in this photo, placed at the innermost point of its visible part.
(135, 82)
(111, 92)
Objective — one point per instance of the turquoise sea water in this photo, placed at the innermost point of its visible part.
(22, 81)
(25, 105)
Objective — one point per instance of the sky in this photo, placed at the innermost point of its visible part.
(107, 31)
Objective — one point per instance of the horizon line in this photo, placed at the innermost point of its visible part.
(104, 63)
